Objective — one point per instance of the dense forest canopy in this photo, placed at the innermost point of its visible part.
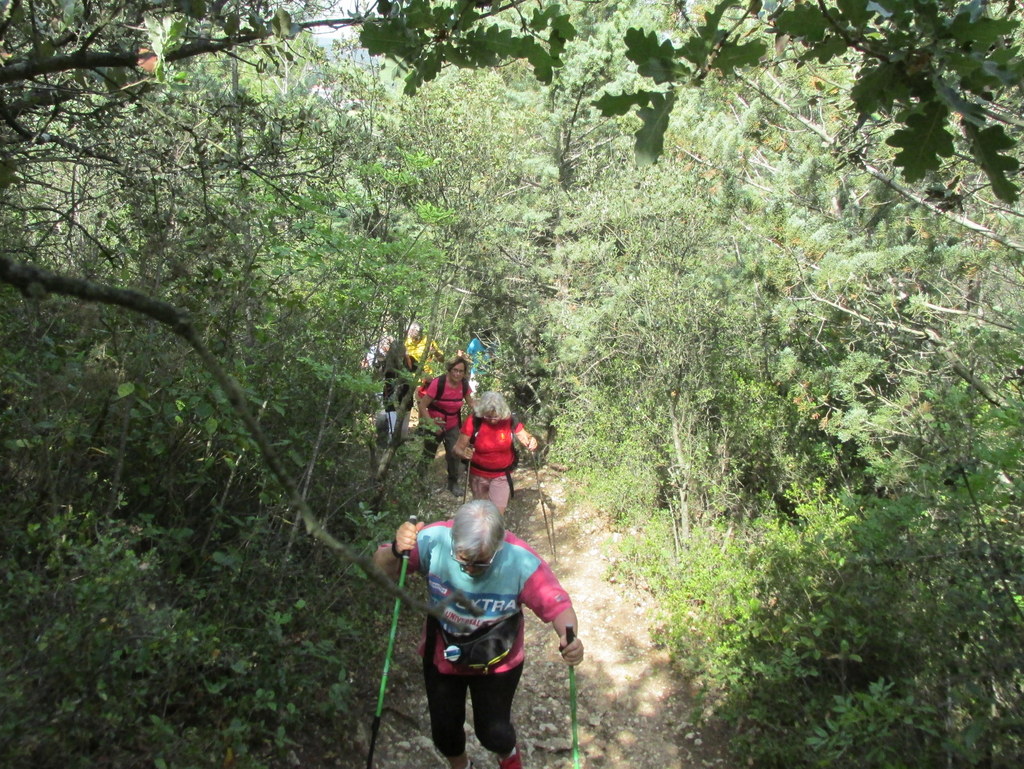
(753, 269)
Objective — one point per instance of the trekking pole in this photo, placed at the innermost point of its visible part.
(387, 657)
(570, 636)
(469, 462)
(549, 527)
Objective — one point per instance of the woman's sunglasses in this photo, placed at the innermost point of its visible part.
(464, 564)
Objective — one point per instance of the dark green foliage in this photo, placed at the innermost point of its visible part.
(114, 651)
(655, 118)
(839, 471)
(922, 142)
(933, 63)
(424, 36)
(799, 388)
(854, 638)
(165, 606)
(159, 601)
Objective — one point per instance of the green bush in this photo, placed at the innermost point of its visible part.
(617, 465)
(110, 657)
(843, 641)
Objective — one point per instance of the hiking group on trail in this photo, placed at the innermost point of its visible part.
(485, 441)
(479, 576)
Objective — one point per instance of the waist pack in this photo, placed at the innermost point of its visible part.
(484, 648)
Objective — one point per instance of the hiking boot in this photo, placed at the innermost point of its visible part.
(454, 488)
(515, 761)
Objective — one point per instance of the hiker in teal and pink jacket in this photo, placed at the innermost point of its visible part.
(478, 651)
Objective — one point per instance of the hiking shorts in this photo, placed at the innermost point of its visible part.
(494, 489)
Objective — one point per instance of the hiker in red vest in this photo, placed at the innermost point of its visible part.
(440, 410)
(488, 442)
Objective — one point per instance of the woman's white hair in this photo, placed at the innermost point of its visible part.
(492, 404)
(478, 528)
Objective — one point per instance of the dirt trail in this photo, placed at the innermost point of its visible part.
(634, 710)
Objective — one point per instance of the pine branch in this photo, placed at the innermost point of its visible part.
(887, 180)
(931, 335)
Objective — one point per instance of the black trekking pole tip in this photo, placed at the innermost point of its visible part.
(373, 741)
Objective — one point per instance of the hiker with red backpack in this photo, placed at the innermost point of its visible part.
(440, 410)
(488, 442)
(478, 649)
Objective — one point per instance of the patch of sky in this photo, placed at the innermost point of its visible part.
(327, 34)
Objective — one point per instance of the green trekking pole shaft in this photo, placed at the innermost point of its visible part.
(387, 657)
(570, 636)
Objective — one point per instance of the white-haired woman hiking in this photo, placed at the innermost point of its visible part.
(498, 574)
(486, 441)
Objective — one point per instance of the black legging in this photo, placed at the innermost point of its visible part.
(492, 709)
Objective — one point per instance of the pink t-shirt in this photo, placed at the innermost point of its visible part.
(448, 403)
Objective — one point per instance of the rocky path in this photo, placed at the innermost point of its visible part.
(633, 709)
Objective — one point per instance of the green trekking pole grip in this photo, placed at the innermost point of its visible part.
(387, 657)
(570, 636)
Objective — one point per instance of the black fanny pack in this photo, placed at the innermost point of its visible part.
(483, 648)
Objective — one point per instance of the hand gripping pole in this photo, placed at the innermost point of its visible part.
(387, 658)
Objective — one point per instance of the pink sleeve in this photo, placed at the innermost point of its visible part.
(544, 595)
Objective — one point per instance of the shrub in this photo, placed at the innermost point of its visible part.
(110, 658)
(821, 639)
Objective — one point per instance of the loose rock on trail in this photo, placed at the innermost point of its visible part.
(633, 708)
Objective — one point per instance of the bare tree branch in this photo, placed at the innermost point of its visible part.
(36, 283)
(83, 59)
